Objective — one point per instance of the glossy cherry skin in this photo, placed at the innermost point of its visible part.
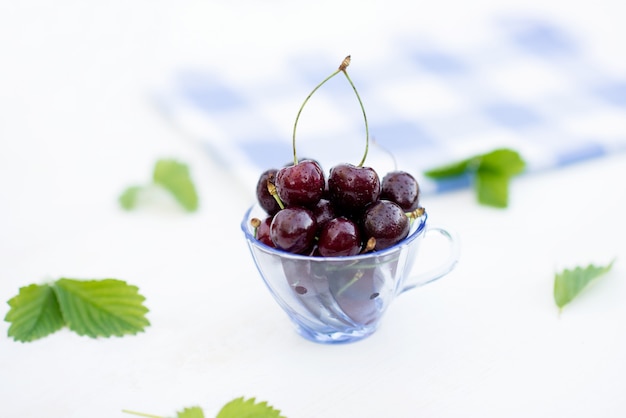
(263, 232)
(339, 237)
(265, 199)
(353, 188)
(323, 212)
(386, 222)
(402, 188)
(300, 185)
(293, 229)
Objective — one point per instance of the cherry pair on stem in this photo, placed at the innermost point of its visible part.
(348, 213)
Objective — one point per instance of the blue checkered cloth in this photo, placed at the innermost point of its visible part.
(531, 86)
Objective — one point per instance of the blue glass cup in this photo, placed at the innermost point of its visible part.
(342, 299)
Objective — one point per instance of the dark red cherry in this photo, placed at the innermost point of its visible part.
(387, 222)
(339, 237)
(301, 184)
(402, 188)
(293, 229)
(265, 199)
(263, 232)
(323, 212)
(353, 188)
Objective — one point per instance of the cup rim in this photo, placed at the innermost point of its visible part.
(419, 225)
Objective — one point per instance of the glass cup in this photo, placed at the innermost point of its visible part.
(342, 299)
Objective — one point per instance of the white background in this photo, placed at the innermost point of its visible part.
(77, 127)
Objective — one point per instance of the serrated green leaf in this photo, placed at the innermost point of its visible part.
(174, 177)
(101, 308)
(240, 408)
(492, 189)
(130, 197)
(569, 283)
(193, 412)
(34, 313)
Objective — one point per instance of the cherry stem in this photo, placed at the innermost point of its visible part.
(352, 281)
(295, 158)
(256, 223)
(342, 68)
(417, 213)
(271, 188)
(367, 133)
(386, 151)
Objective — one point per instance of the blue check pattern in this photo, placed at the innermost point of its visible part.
(532, 86)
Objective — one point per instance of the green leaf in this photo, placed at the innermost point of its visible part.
(130, 197)
(140, 414)
(502, 161)
(240, 408)
(101, 308)
(194, 412)
(34, 313)
(492, 173)
(453, 170)
(174, 177)
(569, 283)
(492, 189)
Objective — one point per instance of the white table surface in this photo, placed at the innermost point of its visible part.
(76, 128)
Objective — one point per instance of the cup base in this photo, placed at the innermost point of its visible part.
(343, 337)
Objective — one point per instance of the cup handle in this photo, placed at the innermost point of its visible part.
(444, 268)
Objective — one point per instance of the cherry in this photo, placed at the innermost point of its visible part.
(402, 188)
(324, 212)
(264, 197)
(301, 184)
(293, 229)
(350, 212)
(263, 232)
(339, 237)
(352, 188)
(386, 222)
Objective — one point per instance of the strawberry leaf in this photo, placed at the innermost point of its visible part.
(569, 283)
(503, 161)
(453, 169)
(174, 177)
(34, 313)
(130, 197)
(101, 308)
(240, 408)
(492, 189)
(193, 412)
(491, 171)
